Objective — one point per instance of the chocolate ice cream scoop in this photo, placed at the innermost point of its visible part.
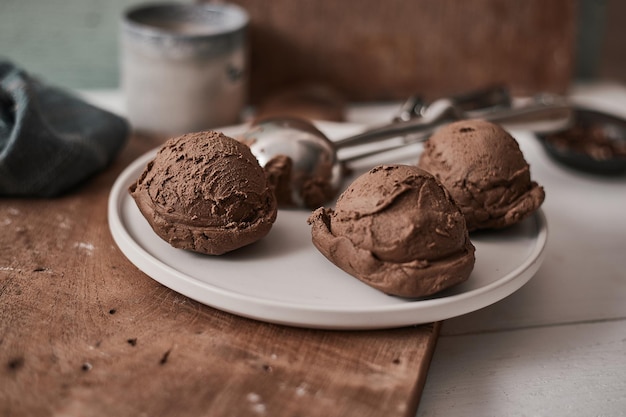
(206, 192)
(484, 170)
(397, 229)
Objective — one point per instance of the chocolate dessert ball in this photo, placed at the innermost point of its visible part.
(397, 229)
(206, 192)
(484, 170)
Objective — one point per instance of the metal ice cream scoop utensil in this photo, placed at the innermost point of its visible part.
(313, 155)
(472, 103)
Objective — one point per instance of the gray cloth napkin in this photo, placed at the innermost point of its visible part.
(51, 140)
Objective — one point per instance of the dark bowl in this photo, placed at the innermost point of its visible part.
(595, 144)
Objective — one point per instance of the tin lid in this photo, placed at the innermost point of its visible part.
(184, 20)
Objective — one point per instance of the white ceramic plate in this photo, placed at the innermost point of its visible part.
(284, 279)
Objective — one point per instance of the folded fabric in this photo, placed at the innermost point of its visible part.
(51, 140)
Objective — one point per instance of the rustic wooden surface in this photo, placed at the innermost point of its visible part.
(377, 50)
(84, 332)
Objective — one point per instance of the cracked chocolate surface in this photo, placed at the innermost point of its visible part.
(205, 192)
(397, 229)
(483, 168)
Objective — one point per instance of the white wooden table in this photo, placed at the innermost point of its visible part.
(557, 347)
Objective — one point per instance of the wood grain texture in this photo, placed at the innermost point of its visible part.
(84, 332)
(612, 60)
(373, 50)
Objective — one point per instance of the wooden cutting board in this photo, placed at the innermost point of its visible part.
(84, 332)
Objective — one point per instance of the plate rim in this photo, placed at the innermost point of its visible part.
(327, 317)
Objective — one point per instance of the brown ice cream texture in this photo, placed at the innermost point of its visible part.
(206, 192)
(484, 170)
(397, 229)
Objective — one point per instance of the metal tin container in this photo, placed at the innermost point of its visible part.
(184, 67)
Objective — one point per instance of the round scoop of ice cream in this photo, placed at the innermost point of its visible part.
(484, 170)
(206, 192)
(397, 229)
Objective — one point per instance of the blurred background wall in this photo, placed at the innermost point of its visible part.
(74, 43)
